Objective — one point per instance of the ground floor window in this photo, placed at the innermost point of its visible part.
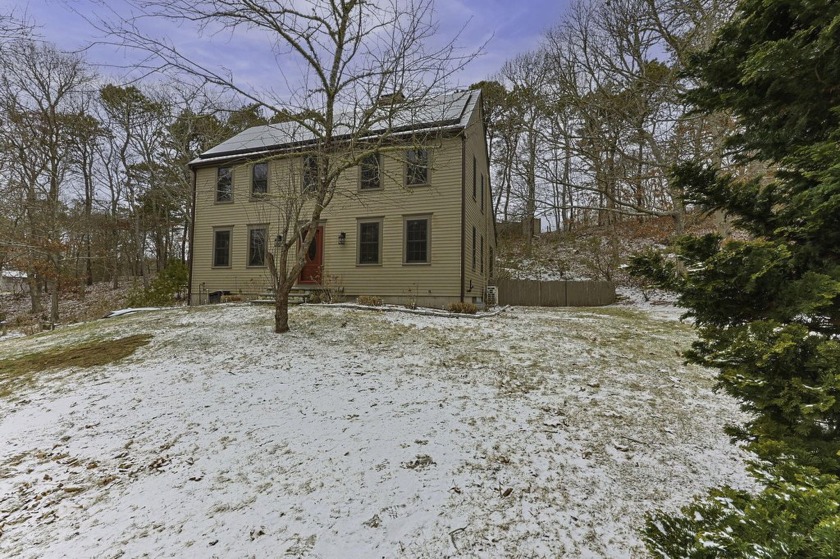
(221, 248)
(257, 236)
(482, 254)
(417, 240)
(370, 242)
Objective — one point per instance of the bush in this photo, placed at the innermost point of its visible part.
(369, 300)
(165, 289)
(797, 514)
(462, 307)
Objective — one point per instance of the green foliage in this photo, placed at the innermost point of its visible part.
(654, 267)
(797, 514)
(768, 308)
(166, 289)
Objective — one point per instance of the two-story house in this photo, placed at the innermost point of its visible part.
(412, 223)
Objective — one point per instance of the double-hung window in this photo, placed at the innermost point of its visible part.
(417, 237)
(310, 173)
(221, 248)
(224, 185)
(257, 235)
(473, 249)
(370, 177)
(259, 179)
(417, 167)
(474, 177)
(482, 255)
(370, 242)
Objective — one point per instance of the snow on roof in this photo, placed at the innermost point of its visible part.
(452, 110)
(13, 274)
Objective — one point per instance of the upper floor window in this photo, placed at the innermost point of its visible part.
(259, 179)
(482, 192)
(474, 177)
(416, 167)
(224, 185)
(370, 176)
(310, 173)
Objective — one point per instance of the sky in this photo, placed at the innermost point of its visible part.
(508, 27)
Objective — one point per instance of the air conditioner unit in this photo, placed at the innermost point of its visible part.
(492, 297)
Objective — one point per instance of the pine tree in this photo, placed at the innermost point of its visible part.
(768, 308)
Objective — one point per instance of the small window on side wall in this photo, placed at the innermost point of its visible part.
(221, 248)
(370, 242)
(481, 258)
(256, 246)
(224, 185)
(417, 167)
(369, 173)
(474, 177)
(259, 179)
(417, 240)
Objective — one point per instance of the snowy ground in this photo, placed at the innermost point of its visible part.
(535, 433)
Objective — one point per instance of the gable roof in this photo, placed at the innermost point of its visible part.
(443, 112)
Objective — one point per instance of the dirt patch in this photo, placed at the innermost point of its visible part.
(20, 369)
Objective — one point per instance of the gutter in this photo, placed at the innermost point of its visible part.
(298, 147)
(192, 235)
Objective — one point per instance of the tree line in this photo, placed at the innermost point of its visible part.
(581, 131)
(94, 182)
(584, 128)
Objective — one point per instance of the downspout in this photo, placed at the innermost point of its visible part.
(463, 209)
(192, 234)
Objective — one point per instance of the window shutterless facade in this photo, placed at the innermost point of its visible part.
(224, 185)
(257, 235)
(259, 179)
(221, 247)
(417, 240)
(416, 167)
(370, 242)
(370, 177)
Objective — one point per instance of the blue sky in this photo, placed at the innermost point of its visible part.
(511, 27)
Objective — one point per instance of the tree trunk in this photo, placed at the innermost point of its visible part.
(281, 311)
(34, 292)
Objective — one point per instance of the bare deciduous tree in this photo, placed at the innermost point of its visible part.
(337, 59)
(37, 90)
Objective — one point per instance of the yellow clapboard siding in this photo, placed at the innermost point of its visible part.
(441, 201)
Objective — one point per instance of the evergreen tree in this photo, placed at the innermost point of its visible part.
(768, 308)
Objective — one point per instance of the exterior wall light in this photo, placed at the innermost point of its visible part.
(278, 241)
(342, 238)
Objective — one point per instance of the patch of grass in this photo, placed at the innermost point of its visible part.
(18, 370)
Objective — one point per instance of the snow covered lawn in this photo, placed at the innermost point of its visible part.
(535, 433)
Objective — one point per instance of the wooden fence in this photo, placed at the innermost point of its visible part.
(532, 293)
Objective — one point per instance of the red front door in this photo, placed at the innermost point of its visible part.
(311, 272)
